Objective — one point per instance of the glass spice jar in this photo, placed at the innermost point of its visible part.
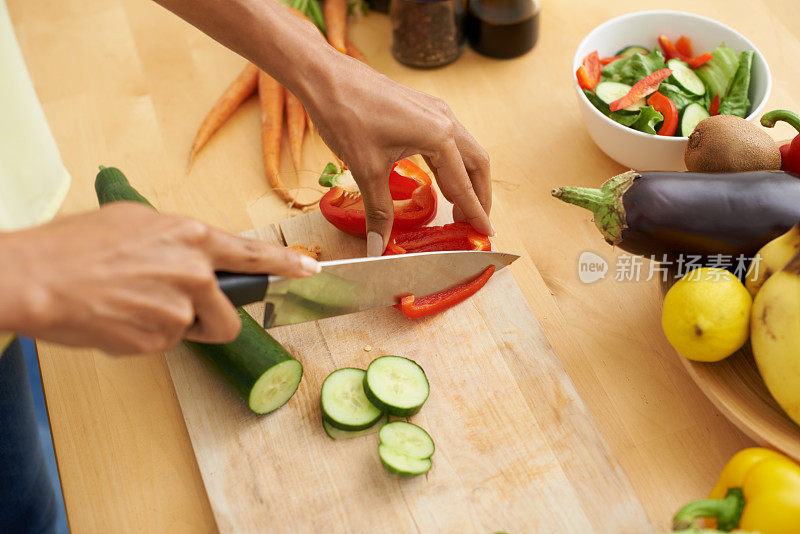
(427, 33)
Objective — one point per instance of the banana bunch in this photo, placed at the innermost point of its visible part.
(774, 279)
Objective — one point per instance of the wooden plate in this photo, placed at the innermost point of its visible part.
(735, 387)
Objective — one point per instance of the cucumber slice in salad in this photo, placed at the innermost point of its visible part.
(335, 433)
(609, 92)
(630, 50)
(402, 464)
(692, 115)
(686, 77)
(344, 405)
(407, 438)
(396, 385)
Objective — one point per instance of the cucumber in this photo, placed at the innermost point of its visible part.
(396, 385)
(407, 438)
(686, 77)
(609, 92)
(401, 464)
(335, 433)
(692, 115)
(344, 405)
(257, 366)
(630, 50)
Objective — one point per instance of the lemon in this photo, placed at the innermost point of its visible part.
(706, 315)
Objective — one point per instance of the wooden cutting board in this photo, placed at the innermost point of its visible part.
(516, 449)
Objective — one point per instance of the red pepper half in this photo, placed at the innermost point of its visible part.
(413, 196)
(414, 308)
(790, 152)
(713, 109)
(644, 87)
(588, 73)
(668, 109)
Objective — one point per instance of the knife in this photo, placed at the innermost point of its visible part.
(357, 284)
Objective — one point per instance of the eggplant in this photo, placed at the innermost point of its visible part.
(656, 213)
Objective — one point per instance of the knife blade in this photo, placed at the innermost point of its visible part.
(358, 284)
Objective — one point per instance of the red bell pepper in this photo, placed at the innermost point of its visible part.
(607, 60)
(683, 51)
(668, 48)
(414, 308)
(713, 109)
(413, 196)
(588, 73)
(790, 152)
(644, 87)
(668, 109)
(684, 46)
(700, 60)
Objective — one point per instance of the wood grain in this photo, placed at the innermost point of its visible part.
(123, 82)
(515, 444)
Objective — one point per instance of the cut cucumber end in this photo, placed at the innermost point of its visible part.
(686, 77)
(336, 433)
(344, 404)
(396, 385)
(401, 464)
(275, 387)
(408, 438)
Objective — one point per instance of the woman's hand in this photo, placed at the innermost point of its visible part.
(129, 280)
(370, 122)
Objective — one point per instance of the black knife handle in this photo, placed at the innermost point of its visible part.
(243, 289)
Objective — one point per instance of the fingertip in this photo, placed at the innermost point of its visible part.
(375, 244)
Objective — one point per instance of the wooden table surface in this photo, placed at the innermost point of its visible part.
(125, 83)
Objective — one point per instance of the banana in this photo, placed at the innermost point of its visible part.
(772, 258)
(775, 336)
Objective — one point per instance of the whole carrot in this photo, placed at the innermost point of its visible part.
(241, 88)
(271, 98)
(295, 126)
(354, 52)
(336, 23)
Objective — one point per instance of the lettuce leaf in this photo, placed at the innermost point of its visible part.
(647, 120)
(631, 69)
(737, 103)
(644, 120)
(718, 72)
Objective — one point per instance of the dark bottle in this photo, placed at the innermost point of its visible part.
(502, 28)
(427, 33)
(381, 6)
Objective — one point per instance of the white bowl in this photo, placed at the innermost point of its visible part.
(635, 149)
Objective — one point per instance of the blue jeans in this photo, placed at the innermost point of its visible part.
(27, 499)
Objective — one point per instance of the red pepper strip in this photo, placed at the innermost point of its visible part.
(790, 152)
(453, 236)
(644, 87)
(713, 109)
(588, 73)
(700, 60)
(606, 60)
(414, 308)
(684, 46)
(413, 196)
(666, 107)
(669, 49)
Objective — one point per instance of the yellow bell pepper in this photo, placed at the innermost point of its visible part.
(758, 490)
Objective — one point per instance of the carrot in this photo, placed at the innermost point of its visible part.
(295, 126)
(355, 53)
(271, 97)
(336, 23)
(241, 88)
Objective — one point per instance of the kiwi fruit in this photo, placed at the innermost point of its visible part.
(726, 143)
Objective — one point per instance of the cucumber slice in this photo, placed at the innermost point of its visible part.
(335, 433)
(344, 404)
(686, 78)
(609, 92)
(401, 464)
(407, 438)
(630, 50)
(396, 385)
(692, 115)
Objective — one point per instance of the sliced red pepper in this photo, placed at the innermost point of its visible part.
(669, 49)
(453, 236)
(644, 87)
(588, 73)
(684, 46)
(414, 308)
(668, 109)
(700, 60)
(607, 60)
(713, 109)
(413, 196)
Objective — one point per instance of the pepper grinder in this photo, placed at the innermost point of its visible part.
(427, 33)
(502, 28)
